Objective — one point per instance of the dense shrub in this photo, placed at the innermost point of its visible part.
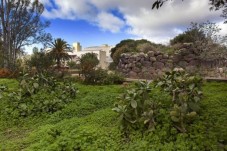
(186, 94)
(39, 94)
(136, 105)
(137, 109)
(40, 60)
(112, 66)
(101, 77)
(72, 65)
(88, 62)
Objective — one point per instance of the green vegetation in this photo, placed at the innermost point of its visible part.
(135, 46)
(88, 62)
(40, 60)
(124, 46)
(21, 26)
(94, 75)
(59, 50)
(137, 109)
(186, 94)
(88, 123)
(36, 95)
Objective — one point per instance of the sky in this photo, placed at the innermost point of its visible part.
(97, 22)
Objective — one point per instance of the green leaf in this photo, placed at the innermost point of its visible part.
(116, 109)
(134, 104)
(191, 86)
(175, 119)
(23, 82)
(146, 121)
(194, 106)
(197, 99)
(36, 85)
(23, 106)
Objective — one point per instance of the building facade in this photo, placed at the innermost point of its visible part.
(103, 53)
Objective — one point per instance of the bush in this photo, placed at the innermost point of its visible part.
(40, 60)
(39, 94)
(112, 66)
(115, 78)
(72, 65)
(102, 77)
(88, 62)
(136, 109)
(186, 94)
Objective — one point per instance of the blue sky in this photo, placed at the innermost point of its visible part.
(97, 22)
(84, 32)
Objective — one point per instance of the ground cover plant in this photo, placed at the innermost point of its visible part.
(88, 123)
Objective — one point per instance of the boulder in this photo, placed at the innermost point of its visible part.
(158, 65)
(165, 56)
(159, 57)
(183, 64)
(193, 63)
(137, 58)
(136, 69)
(151, 69)
(146, 63)
(132, 74)
(157, 53)
(169, 65)
(176, 58)
(150, 53)
(152, 59)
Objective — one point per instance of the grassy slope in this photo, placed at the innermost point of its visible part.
(89, 123)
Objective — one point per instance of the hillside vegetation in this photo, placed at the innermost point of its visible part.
(88, 123)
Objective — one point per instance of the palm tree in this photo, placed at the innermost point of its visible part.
(59, 51)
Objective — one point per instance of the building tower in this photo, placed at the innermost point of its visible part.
(76, 47)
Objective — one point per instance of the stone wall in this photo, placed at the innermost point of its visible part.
(141, 65)
(153, 64)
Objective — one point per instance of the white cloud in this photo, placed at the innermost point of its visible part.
(108, 21)
(223, 27)
(142, 22)
(71, 9)
(47, 3)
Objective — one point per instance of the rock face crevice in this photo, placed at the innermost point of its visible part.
(154, 64)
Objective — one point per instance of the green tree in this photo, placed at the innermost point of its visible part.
(88, 62)
(20, 25)
(40, 60)
(124, 46)
(59, 51)
(206, 42)
(189, 36)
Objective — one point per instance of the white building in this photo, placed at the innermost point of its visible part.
(103, 53)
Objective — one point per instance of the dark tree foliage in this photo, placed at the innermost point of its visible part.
(88, 62)
(20, 25)
(59, 51)
(189, 36)
(206, 31)
(207, 43)
(129, 42)
(124, 46)
(40, 60)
